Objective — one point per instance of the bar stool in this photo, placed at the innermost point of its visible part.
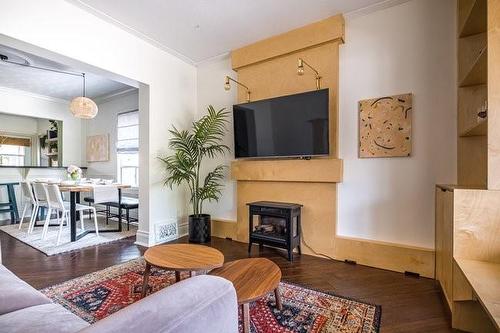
(12, 204)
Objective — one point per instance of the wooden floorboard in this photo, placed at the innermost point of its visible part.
(409, 304)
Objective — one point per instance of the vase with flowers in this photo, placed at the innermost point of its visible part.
(74, 172)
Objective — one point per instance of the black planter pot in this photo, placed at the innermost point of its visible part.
(199, 228)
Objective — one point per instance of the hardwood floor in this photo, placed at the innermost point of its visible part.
(408, 304)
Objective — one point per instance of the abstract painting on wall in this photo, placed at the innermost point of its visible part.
(385, 126)
(98, 148)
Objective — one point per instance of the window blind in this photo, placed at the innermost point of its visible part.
(127, 140)
(13, 141)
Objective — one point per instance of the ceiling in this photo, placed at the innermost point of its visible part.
(51, 84)
(198, 30)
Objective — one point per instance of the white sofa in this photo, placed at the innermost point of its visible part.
(198, 304)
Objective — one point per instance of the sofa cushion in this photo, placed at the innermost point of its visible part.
(17, 294)
(45, 318)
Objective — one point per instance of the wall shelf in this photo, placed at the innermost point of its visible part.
(472, 17)
(478, 72)
(470, 101)
(479, 129)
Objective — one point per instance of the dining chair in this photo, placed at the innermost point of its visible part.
(40, 201)
(29, 199)
(56, 203)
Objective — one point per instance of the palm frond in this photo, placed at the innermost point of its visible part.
(190, 147)
(212, 186)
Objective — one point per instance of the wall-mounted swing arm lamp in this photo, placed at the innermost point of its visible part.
(227, 86)
(300, 71)
(81, 106)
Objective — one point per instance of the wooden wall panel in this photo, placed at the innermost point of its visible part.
(472, 160)
(319, 170)
(477, 225)
(444, 241)
(318, 33)
(394, 257)
(494, 94)
(224, 228)
(318, 214)
(269, 69)
(278, 77)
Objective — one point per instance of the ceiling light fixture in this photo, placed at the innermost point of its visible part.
(300, 71)
(227, 86)
(82, 106)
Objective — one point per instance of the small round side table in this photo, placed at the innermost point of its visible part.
(181, 258)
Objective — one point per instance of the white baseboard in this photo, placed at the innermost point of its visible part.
(183, 230)
(142, 238)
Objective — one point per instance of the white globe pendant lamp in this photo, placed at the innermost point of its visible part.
(83, 107)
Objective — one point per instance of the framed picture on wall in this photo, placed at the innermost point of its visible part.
(98, 148)
(385, 126)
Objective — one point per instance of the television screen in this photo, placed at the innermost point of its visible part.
(287, 126)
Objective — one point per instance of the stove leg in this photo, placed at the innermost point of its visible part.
(249, 248)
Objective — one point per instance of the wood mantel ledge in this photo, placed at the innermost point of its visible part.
(316, 170)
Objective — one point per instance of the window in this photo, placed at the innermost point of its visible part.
(13, 150)
(12, 155)
(127, 148)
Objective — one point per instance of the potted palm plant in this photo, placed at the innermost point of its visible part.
(190, 148)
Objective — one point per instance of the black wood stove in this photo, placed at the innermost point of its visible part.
(275, 224)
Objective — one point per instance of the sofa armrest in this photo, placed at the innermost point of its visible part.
(198, 304)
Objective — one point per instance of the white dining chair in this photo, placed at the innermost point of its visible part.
(40, 201)
(29, 200)
(56, 203)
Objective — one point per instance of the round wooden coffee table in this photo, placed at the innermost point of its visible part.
(252, 278)
(179, 258)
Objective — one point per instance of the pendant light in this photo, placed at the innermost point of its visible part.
(83, 107)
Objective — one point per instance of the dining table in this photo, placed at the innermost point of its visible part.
(74, 199)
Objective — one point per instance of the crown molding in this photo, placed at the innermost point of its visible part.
(374, 8)
(222, 56)
(33, 95)
(115, 94)
(105, 17)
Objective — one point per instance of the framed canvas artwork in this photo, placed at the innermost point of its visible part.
(385, 126)
(98, 148)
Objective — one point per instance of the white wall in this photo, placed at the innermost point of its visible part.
(12, 124)
(24, 104)
(210, 86)
(65, 33)
(406, 48)
(105, 123)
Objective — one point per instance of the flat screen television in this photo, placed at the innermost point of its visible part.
(288, 126)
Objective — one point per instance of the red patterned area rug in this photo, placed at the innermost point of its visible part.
(97, 295)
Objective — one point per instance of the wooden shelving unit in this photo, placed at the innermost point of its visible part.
(468, 213)
(472, 92)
